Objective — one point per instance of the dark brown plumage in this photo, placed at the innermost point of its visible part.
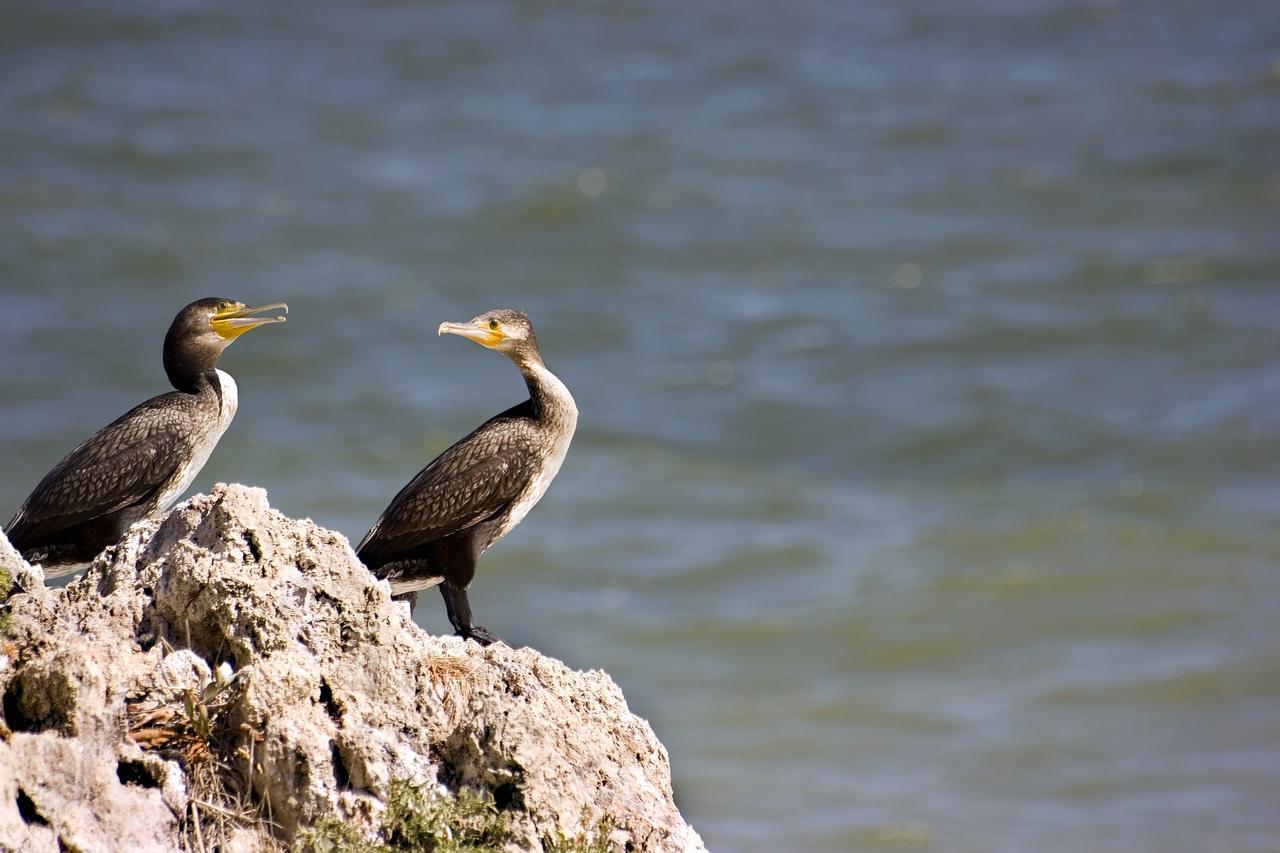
(142, 461)
(474, 493)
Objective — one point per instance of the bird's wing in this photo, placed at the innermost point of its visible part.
(120, 465)
(469, 482)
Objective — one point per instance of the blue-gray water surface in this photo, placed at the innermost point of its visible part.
(928, 357)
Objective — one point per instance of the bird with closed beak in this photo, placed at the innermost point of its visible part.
(434, 531)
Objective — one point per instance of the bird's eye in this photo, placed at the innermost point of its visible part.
(493, 324)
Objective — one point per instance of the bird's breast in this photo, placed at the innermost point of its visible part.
(558, 447)
(208, 423)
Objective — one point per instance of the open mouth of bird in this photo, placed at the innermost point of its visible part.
(238, 319)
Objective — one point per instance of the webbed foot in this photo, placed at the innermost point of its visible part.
(483, 636)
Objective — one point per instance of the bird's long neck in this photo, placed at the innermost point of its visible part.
(553, 404)
(190, 368)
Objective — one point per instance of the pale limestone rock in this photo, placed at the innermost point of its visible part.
(75, 789)
(328, 688)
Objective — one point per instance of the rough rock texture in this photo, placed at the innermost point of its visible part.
(229, 624)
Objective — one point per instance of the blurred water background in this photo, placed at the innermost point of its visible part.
(924, 494)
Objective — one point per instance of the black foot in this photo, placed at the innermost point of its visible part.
(483, 636)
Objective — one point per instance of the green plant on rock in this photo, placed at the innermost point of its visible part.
(6, 584)
(593, 839)
(418, 819)
(333, 836)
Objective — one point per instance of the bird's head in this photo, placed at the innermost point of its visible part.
(203, 329)
(504, 329)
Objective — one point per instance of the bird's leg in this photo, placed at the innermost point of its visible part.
(455, 601)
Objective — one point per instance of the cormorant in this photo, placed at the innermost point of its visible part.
(141, 462)
(475, 492)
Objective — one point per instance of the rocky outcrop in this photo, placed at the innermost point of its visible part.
(228, 677)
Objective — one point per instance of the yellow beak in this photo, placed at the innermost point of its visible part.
(235, 321)
(482, 335)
